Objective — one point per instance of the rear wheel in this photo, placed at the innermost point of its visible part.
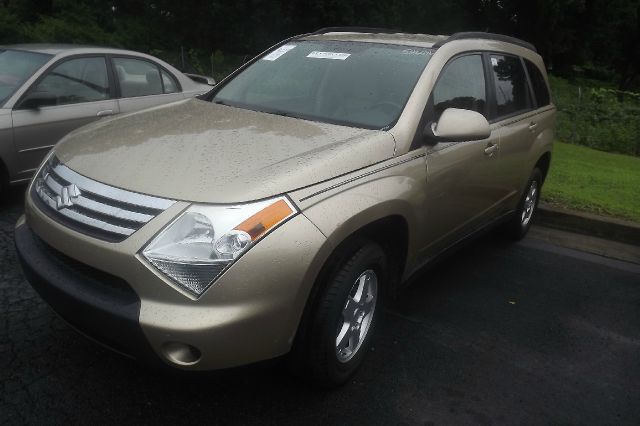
(346, 314)
(519, 224)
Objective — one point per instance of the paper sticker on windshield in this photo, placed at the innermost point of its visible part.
(417, 52)
(494, 62)
(278, 52)
(328, 55)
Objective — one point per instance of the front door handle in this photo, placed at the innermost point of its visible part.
(104, 113)
(491, 149)
(533, 126)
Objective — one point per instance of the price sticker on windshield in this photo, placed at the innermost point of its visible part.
(328, 55)
(278, 52)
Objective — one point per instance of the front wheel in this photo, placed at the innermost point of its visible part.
(346, 313)
(520, 222)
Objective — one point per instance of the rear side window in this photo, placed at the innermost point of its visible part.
(461, 85)
(540, 89)
(137, 77)
(170, 85)
(512, 89)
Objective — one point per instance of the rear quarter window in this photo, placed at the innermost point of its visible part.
(540, 89)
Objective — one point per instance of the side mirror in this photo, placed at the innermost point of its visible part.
(35, 100)
(458, 125)
(203, 79)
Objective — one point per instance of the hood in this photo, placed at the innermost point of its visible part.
(202, 152)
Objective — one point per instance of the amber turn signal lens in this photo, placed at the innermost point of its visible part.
(265, 219)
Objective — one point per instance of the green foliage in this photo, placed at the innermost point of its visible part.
(67, 22)
(10, 28)
(585, 179)
(194, 60)
(602, 36)
(567, 32)
(597, 117)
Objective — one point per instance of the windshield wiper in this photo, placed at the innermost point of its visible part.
(263, 110)
(277, 112)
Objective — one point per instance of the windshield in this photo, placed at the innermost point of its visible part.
(15, 68)
(351, 83)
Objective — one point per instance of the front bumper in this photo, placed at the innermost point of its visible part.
(100, 305)
(250, 314)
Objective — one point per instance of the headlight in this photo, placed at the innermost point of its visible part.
(205, 240)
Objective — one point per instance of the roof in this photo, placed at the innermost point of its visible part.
(56, 49)
(488, 36)
(52, 49)
(383, 35)
(421, 40)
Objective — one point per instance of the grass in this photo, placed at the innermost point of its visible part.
(594, 181)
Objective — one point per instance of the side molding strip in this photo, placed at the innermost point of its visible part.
(345, 182)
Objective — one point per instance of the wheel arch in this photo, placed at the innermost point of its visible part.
(544, 163)
(390, 231)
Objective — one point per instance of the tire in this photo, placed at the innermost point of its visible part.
(340, 309)
(520, 223)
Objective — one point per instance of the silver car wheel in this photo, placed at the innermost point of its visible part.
(530, 203)
(357, 315)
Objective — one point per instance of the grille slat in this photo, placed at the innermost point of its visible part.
(92, 207)
(106, 191)
(53, 185)
(103, 209)
(57, 178)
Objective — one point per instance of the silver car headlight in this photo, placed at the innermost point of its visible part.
(201, 243)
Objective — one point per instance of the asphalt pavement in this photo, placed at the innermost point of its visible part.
(500, 333)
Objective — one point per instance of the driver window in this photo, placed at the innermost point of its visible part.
(75, 81)
(461, 85)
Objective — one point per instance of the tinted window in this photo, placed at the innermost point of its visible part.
(352, 83)
(512, 90)
(15, 68)
(461, 85)
(540, 88)
(137, 77)
(169, 83)
(76, 80)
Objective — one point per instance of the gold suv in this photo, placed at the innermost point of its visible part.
(274, 215)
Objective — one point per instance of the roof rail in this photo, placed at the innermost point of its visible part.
(486, 36)
(356, 30)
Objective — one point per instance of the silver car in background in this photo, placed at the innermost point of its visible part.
(46, 91)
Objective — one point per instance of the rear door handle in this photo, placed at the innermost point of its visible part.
(533, 126)
(491, 149)
(104, 113)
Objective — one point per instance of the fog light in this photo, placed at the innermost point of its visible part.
(181, 353)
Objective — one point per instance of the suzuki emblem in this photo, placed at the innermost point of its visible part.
(66, 197)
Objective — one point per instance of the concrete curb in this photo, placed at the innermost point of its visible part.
(588, 224)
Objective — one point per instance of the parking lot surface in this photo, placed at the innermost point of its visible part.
(500, 333)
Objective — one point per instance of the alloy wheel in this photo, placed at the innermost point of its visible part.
(357, 315)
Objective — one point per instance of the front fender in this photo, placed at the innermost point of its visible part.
(342, 215)
(397, 189)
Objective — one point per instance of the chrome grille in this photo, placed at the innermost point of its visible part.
(91, 207)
